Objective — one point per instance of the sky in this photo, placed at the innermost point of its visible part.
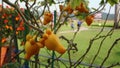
(95, 4)
(92, 4)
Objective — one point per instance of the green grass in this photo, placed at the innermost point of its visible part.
(82, 39)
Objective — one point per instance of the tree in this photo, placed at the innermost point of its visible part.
(37, 18)
(116, 20)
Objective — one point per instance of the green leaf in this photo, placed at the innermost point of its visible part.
(51, 2)
(31, 0)
(113, 2)
(42, 3)
(116, 1)
(82, 16)
(94, 9)
(21, 0)
(75, 3)
(102, 2)
(67, 0)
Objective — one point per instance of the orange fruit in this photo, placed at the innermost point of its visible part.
(89, 19)
(61, 7)
(3, 40)
(17, 18)
(17, 32)
(47, 17)
(6, 21)
(7, 27)
(81, 8)
(68, 9)
(10, 27)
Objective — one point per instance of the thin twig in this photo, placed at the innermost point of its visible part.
(31, 15)
(17, 55)
(33, 4)
(83, 56)
(113, 65)
(69, 57)
(108, 34)
(109, 51)
(57, 28)
(104, 38)
(90, 44)
(103, 24)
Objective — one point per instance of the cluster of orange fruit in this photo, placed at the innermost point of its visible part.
(4, 16)
(8, 27)
(81, 8)
(49, 39)
(78, 9)
(21, 26)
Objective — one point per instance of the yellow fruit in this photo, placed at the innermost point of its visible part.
(52, 42)
(31, 47)
(28, 37)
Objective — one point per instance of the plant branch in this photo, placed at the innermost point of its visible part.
(104, 38)
(109, 51)
(33, 4)
(113, 65)
(16, 55)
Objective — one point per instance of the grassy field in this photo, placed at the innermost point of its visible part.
(83, 38)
